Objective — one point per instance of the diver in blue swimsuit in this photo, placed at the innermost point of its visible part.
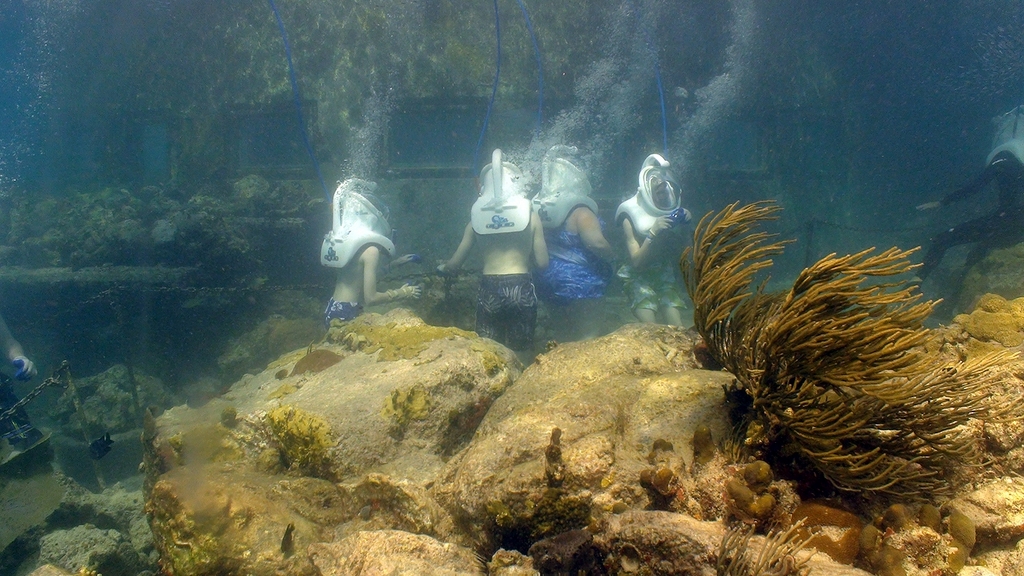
(580, 256)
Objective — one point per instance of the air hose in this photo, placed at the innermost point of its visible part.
(494, 89)
(298, 100)
(497, 76)
(540, 68)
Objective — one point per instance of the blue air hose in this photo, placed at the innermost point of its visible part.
(494, 89)
(298, 100)
(540, 68)
(657, 76)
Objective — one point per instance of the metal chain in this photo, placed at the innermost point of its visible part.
(61, 377)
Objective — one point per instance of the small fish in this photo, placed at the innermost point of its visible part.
(100, 446)
(288, 541)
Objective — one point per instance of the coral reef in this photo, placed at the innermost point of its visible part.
(304, 441)
(832, 372)
(394, 341)
(778, 557)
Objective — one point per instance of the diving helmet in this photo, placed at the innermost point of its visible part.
(1009, 135)
(658, 194)
(563, 187)
(502, 205)
(359, 219)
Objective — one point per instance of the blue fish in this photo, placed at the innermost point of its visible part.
(100, 446)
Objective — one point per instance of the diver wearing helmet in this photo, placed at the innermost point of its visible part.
(650, 221)
(358, 245)
(510, 238)
(1001, 227)
(579, 268)
(17, 429)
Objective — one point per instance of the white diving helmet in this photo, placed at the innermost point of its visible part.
(658, 194)
(1009, 135)
(357, 222)
(564, 187)
(502, 205)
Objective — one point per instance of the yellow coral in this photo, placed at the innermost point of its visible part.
(394, 341)
(995, 319)
(407, 405)
(304, 440)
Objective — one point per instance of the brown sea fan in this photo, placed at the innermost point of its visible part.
(833, 371)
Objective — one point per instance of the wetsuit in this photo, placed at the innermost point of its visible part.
(997, 229)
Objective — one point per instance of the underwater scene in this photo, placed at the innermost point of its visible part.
(511, 287)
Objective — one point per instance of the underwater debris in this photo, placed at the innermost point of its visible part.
(833, 371)
(777, 556)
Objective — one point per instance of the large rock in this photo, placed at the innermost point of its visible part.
(245, 483)
(614, 402)
(393, 553)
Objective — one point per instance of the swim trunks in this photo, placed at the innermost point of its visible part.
(506, 309)
(653, 287)
(341, 311)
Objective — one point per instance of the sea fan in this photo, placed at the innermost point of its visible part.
(832, 373)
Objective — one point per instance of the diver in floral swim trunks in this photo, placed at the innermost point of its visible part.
(650, 221)
(358, 245)
(509, 236)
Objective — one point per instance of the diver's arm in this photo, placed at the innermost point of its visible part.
(462, 252)
(370, 259)
(540, 246)
(11, 347)
(640, 251)
(590, 232)
(973, 187)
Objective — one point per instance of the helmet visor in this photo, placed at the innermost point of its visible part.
(664, 192)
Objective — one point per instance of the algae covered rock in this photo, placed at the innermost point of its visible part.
(250, 493)
(394, 552)
(611, 400)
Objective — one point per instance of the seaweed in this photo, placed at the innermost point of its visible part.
(304, 441)
(833, 374)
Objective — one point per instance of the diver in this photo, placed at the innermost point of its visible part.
(650, 222)
(508, 233)
(580, 256)
(1000, 227)
(16, 428)
(359, 245)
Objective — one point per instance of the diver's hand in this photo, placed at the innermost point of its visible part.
(405, 259)
(407, 291)
(26, 369)
(929, 205)
(662, 223)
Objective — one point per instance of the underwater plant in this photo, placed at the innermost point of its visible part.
(832, 373)
(305, 441)
(777, 556)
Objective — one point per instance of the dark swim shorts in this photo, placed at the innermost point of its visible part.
(506, 309)
(341, 311)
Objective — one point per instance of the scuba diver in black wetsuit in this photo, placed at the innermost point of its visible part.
(1002, 227)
